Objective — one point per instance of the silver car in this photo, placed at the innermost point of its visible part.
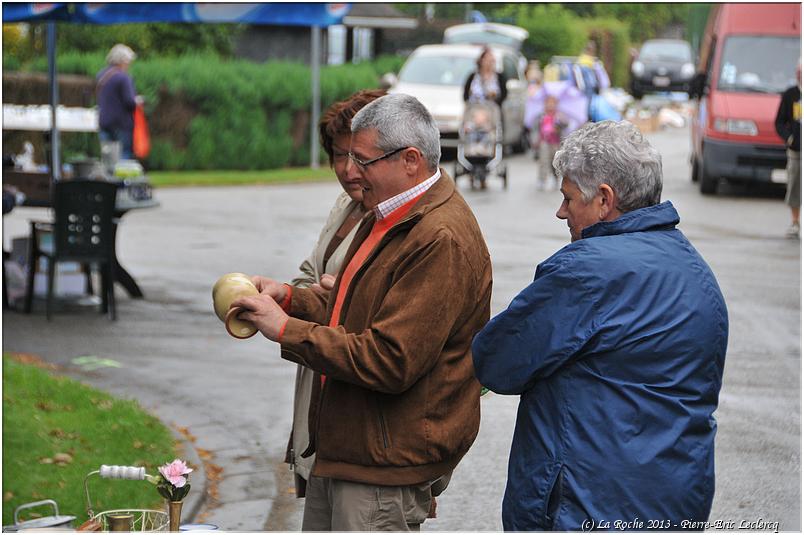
(436, 74)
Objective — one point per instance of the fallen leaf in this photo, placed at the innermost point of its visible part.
(45, 460)
(8, 495)
(137, 445)
(44, 406)
(186, 432)
(205, 455)
(62, 458)
(57, 433)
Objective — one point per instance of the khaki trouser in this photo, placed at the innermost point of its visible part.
(336, 505)
(793, 196)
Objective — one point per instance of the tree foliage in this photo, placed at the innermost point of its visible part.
(553, 30)
(147, 40)
(644, 20)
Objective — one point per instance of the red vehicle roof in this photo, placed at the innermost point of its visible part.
(774, 19)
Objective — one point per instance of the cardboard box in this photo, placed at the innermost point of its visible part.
(645, 124)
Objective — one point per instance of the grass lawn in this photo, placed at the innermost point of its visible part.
(233, 178)
(57, 430)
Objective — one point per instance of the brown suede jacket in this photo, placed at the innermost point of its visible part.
(401, 405)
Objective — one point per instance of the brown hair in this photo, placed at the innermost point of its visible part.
(337, 119)
(483, 52)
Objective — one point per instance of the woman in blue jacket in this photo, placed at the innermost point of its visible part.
(616, 349)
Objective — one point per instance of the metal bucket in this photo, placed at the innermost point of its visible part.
(47, 522)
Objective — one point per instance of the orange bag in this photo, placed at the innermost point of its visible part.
(142, 139)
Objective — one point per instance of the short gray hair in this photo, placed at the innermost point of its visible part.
(613, 153)
(120, 54)
(401, 121)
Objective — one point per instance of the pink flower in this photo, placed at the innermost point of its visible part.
(175, 472)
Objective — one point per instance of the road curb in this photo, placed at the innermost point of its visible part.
(198, 492)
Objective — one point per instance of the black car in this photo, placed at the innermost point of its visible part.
(662, 65)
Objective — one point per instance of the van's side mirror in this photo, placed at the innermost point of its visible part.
(698, 85)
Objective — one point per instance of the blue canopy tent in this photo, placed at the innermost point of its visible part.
(313, 15)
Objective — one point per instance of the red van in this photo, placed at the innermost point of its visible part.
(749, 54)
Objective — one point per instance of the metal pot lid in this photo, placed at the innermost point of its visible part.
(45, 522)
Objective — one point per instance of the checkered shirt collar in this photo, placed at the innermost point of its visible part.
(384, 209)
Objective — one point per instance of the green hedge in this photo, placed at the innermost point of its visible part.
(234, 114)
(553, 30)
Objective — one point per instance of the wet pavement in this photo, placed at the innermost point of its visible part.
(232, 399)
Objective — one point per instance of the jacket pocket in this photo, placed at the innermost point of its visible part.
(553, 496)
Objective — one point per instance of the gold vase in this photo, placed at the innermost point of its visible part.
(174, 515)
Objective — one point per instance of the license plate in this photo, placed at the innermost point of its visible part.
(779, 176)
(661, 81)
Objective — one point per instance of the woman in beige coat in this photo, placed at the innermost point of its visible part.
(327, 257)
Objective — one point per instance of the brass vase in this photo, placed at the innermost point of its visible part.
(174, 515)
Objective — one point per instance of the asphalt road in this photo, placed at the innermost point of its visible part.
(234, 396)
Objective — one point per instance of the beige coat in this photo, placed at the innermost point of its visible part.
(311, 271)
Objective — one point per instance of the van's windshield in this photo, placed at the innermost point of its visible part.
(437, 70)
(758, 64)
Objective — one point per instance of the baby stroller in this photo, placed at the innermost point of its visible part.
(480, 148)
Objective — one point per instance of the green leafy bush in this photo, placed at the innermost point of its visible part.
(553, 30)
(206, 112)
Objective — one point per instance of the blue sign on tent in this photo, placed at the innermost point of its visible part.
(295, 14)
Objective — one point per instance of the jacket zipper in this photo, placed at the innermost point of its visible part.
(382, 427)
(405, 223)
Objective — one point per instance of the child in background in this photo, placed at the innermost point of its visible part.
(551, 126)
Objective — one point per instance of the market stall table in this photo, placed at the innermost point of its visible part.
(131, 196)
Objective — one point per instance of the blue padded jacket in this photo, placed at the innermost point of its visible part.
(617, 350)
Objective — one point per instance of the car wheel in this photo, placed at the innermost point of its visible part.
(706, 182)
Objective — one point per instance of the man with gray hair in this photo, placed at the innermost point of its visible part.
(397, 405)
(617, 350)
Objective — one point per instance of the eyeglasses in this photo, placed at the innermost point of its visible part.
(363, 165)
